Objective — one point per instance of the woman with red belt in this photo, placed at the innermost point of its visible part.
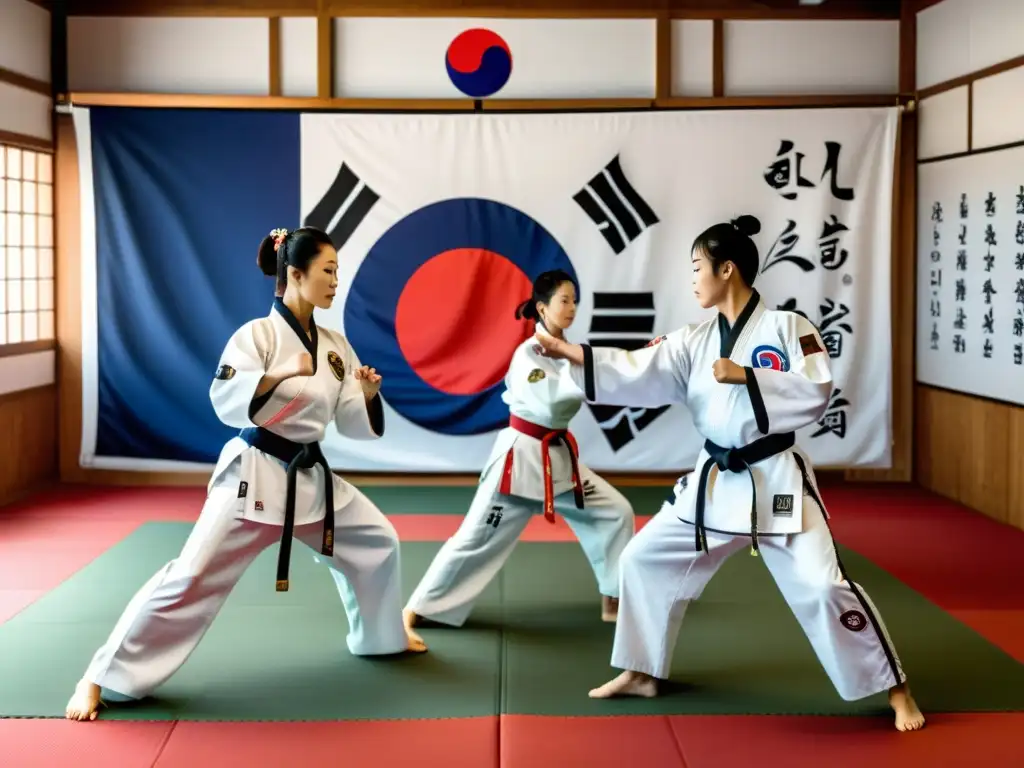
(533, 468)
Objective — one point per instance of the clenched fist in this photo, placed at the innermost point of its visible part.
(727, 372)
(370, 380)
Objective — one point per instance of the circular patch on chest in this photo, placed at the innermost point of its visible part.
(853, 621)
(535, 375)
(772, 358)
(337, 365)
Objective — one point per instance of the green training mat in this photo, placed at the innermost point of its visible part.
(534, 645)
(267, 655)
(740, 649)
(455, 499)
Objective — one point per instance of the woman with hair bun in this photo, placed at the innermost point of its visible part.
(751, 377)
(533, 468)
(282, 380)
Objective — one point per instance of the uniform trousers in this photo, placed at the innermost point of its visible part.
(470, 559)
(662, 572)
(166, 619)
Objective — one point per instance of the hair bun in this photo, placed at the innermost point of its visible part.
(526, 311)
(266, 258)
(747, 224)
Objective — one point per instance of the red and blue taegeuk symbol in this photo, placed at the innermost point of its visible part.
(432, 308)
(767, 356)
(479, 62)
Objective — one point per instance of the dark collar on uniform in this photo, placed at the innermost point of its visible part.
(727, 335)
(309, 342)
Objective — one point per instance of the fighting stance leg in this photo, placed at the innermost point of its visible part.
(366, 568)
(470, 559)
(661, 572)
(165, 620)
(603, 527)
(837, 616)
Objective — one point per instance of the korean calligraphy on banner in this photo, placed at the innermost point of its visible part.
(970, 308)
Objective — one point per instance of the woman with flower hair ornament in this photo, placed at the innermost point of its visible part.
(282, 380)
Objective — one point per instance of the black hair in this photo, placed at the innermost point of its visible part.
(544, 287)
(731, 242)
(297, 249)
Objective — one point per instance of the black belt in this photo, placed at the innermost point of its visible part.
(297, 456)
(737, 460)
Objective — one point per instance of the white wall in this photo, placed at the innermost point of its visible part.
(773, 58)
(25, 51)
(552, 58)
(957, 38)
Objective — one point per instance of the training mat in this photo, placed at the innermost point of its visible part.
(534, 645)
(267, 655)
(455, 499)
(740, 650)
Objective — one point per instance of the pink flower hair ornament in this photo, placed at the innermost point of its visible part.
(279, 235)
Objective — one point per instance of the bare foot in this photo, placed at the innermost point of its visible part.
(609, 609)
(628, 684)
(84, 703)
(416, 643)
(908, 716)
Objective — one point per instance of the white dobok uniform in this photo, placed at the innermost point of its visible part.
(533, 467)
(247, 504)
(752, 487)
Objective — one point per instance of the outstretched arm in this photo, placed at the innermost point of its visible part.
(645, 378)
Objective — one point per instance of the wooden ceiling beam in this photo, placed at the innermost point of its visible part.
(704, 9)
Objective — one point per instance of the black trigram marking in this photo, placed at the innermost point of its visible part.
(333, 216)
(624, 320)
(615, 207)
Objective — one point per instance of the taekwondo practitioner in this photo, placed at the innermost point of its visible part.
(533, 467)
(281, 380)
(751, 377)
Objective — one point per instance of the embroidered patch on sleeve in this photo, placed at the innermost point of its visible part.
(809, 344)
(535, 375)
(654, 342)
(225, 372)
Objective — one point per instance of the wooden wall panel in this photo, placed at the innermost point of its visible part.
(971, 450)
(30, 439)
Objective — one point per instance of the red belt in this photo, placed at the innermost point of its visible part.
(546, 437)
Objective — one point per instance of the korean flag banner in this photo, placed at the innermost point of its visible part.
(442, 222)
